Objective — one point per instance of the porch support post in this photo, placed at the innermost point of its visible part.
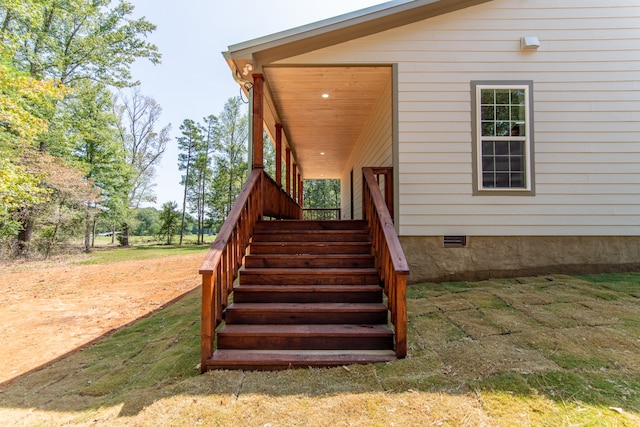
(294, 193)
(287, 167)
(258, 121)
(279, 154)
(300, 190)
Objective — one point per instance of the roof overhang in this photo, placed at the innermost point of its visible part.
(314, 125)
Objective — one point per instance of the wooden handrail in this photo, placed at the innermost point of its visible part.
(390, 260)
(259, 197)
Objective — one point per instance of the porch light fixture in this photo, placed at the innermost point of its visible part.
(322, 153)
(325, 95)
(529, 43)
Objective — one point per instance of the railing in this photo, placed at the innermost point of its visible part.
(259, 197)
(390, 259)
(321, 213)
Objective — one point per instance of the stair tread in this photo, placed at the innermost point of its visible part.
(286, 256)
(283, 359)
(306, 270)
(306, 330)
(308, 288)
(296, 306)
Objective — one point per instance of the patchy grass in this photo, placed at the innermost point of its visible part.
(118, 254)
(554, 350)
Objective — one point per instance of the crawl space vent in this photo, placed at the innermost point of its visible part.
(455, 241)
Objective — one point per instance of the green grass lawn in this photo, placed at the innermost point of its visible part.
(534, 351)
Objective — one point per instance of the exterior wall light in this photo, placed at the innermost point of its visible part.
(529, 43)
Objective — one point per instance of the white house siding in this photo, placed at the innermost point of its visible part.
(586, 89)
(372, 149)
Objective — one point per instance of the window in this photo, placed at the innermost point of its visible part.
(502, 138)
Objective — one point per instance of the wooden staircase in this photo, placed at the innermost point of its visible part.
(308, 295)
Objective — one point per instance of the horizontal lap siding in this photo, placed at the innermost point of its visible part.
(586, 88)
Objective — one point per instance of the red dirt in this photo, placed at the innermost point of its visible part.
(58, 308)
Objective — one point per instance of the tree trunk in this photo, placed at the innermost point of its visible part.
(23, 246)
(124, 239)
(87, 229)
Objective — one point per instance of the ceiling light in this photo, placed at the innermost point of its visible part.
(322, 153)
(325, 95)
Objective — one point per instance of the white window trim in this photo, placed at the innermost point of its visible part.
(477, 87)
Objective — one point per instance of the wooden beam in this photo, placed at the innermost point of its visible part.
(294, 193)
(287, 171)
(300, 191)
(258, 121)
(279, 154)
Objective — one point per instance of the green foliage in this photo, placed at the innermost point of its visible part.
(76, 40)
(147, 222)
(214, 159)
(169, 221)
(321, 193)
(56, 115)
(17, 189)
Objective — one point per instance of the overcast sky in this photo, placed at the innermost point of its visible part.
(193, 80)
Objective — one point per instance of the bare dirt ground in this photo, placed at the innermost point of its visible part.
(64, 307)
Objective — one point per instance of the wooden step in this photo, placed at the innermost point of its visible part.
(290, 225)
(311, 236)
(276, 360)
(309, 276)
(310, 248)
(307, 293)
(309, 261)
(305, 337)
(306, 313)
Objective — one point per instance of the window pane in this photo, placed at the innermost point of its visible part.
(502, 180)
(517, 180)
(503, 128)
(502, 97)
(502, 113)
(517, 113)
(488, 96)
(488, 129)
(488, 180)
(487, 148)
(488, 164)
(488, 113)
(517, 164)
(515, 148)
(517, 96)
(502, 148)
(502, 163)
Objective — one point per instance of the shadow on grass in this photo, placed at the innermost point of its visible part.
(551, 349)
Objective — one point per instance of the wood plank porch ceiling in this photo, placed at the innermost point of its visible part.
(333, 126)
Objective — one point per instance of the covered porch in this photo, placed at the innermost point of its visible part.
(308, 291)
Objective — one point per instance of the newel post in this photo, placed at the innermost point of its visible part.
(207, 328)
(258, 121)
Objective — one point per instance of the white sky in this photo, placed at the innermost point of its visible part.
(193, 80)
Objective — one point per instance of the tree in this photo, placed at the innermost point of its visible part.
(169, 221)
(189, 144)
(96, 149)
(322, 193)
(24, 104)
(203, 170)
(138, 117)
(230, 160)
(71, 40)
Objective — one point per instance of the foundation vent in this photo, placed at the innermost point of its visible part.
(454, 241)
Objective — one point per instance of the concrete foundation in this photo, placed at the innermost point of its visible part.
(486, 257)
